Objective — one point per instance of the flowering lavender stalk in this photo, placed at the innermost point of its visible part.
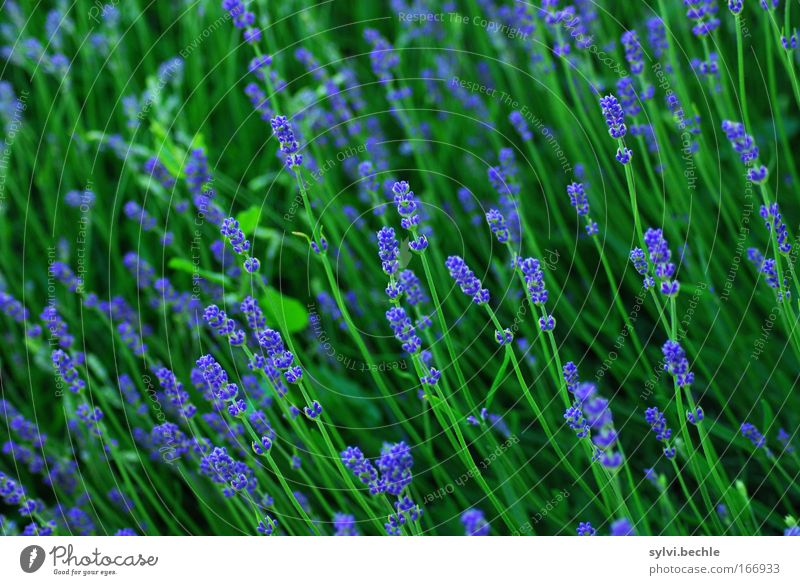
(410, 219)
(65, 367)
(497, 223)
(745, 145)
(773, 220)
(289, 146)
(388, 251)
(658, 423)
(383, 57)
(243, 19)
(391, 474)
(614, 116)
(633, 51)
(628, 97)
(174, 391)
(657, 36)
(615, 120)
(469, 284)
(695, 417)
(703, 14)
(676, 364)
(767, 267)
(241, 246)
(404, 330)
(280, 358)
(218, 320)
(533, 276)
(590, 416)
(660, 256)
(576, 421)
(520, 125)
(503, 179)
(751, 433)
(578, 200)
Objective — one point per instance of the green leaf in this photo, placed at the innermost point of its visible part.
(248, 219)
(497, 380)
(285, 312)
(184, 265)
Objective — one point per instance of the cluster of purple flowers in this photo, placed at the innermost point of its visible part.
(615, 117)
(497, 223)
(404, 330)
(615, 120)
(629, 99)
(220, 388)
(745, 145)
(475, 523)
(657, 36)
(218, 320)
(520, 125)
(658, 423)
(344, 525)
(91, 417)
(660, 256)
(410, 219)
(633, 51)
(233, 234)
(503, 179)
(768, 267)
(703, 14)
(533, 275)
(578, 200)
(466, 280)
(277, 358)
(751, 433)
(383, 56)
(388, 251)
(223, 469)
(63, 273)
(66, 369)
(13, 308)
(411, 288)
(289, 146)
(676, 364)
(175, 393)
(391, 474)
(774, 223)
(354, 460)
(267, 526)
(243, 19)
(590, 415)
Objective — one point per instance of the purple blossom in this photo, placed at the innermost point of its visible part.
(676, 364)
(403, 329)
(464, 277)
(614, 116)
(475, 523)
(773, 220)
(289, 146)
(497, 223)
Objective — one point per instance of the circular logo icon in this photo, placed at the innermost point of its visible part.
(31, 558)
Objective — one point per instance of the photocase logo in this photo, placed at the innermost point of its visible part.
(31, 558)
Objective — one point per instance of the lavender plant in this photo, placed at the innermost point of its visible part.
(226, 311)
